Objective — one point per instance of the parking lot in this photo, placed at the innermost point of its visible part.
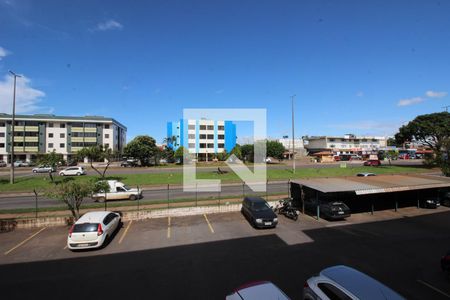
(206, 256)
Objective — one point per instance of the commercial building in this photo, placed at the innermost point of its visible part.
(204, 138)
(347, 144)
(299, 148)
(43, 133)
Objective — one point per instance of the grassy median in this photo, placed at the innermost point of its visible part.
(42, 182)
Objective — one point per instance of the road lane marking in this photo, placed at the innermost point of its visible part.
(125, 232)
(209, 224)
(433, 288)
(168, 227)
(24, 241)
(65, 247)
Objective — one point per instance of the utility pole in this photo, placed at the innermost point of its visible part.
(446, 107)
(293, 136)
(13, 121)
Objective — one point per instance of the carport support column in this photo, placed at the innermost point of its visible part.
(418, 199)
(371, 205)
(396, 203)
(318, 206)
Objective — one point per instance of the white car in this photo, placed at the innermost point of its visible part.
(43, 169)
(118, 191)
(342, 282)
(93, 229)
(366, 174)
(262, 290)
(73, 171)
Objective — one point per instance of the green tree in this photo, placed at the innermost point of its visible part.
(247, 152)
(432, 130)
(275, 149)
(168, 154)
(236, 151)
(51, 159)
(72, 193)
(97, 154)
(391, 142)
(143, 148)
(179, 154)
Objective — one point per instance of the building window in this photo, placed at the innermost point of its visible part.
(210, 136)
(90, 125)
(221, 136)
(61, 145)
(210, 127)
(50, 145)
(106, 136)
(2, 145)
(191, 145)
(202, 145)
(221, 127)
(50, 135)
(210, 145)
(191, 127)
(62, 125)
(332, 140)
(2, 134)
(50, 124)
(191, 136)
(106, 126)
(202, 127)
(220, 145)
(62, 135)
(2, 124)
(106, 146)
(202, 136)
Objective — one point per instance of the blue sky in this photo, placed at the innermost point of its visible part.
(354, 66)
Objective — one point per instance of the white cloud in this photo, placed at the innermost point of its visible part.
(3, 52)
(434, 94)
(359, 94)
(410, 101)
(27, 98)
(108, 25)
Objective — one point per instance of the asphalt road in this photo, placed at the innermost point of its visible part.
(17, 202)
(196, 263)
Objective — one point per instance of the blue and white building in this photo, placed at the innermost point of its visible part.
(204, 138)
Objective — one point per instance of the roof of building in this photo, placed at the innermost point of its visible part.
(51, 117)
(375, 184)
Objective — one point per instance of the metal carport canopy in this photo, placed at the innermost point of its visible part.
(375, 184)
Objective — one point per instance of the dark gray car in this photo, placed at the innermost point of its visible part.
(258, 212)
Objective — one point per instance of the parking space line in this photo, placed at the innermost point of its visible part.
(65, 247)
(24, 241)
(125, 232)
(433, 288)
(209, 224)
(168, 227)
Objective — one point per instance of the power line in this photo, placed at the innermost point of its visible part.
(446, 107)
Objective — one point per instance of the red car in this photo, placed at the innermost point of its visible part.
(372, 162)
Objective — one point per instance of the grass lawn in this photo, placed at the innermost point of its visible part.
(41, 183)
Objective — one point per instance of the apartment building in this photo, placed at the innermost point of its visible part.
(42, 133)
(204, 138)
(349, 143)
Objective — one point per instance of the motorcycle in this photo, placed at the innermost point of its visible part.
(285, 207)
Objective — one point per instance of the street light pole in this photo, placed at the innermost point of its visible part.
(293, 136)
(11, 180)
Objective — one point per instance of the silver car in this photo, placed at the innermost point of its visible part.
(2, 163)
(43, 169)
(20, 163)
(342, 282)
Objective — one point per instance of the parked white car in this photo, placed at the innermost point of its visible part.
(93, 229)
(342, 282)
(118, 191)
(21, 163)
(73, 171)
(43, 169)
(262, 290)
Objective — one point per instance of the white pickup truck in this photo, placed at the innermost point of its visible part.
(118, 191)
